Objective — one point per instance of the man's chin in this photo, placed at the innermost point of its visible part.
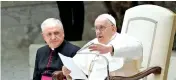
(54, 46)
(100, 40)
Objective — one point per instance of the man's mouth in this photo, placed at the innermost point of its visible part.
(54, 41)
(100, 36)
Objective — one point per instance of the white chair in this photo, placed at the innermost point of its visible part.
(155, 27)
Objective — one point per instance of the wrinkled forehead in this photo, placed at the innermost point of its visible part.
(52, 28)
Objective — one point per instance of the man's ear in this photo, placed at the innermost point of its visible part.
(114, 28)
(43, 35)
(63, 34)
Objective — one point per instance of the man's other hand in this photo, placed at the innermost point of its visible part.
(66, 71)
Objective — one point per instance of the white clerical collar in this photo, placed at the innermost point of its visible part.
(52, 48)
(113, 37)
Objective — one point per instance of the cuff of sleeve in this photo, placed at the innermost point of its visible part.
(112, 53)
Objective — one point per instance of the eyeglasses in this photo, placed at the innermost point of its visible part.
(101, 28)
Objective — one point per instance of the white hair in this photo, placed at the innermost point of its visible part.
(108, 17)
(51, 22)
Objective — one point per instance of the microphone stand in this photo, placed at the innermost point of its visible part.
(93, 62)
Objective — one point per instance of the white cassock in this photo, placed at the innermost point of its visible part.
(96, 67)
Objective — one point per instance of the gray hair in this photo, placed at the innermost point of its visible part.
(51, 22)
(108, 17)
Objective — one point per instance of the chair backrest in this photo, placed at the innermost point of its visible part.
(154, 27)
(32, 54)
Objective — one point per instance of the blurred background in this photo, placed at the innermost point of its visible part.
(20, 27)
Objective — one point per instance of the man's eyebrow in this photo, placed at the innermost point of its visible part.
(101, 25)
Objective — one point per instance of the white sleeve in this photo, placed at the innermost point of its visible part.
(129, 48)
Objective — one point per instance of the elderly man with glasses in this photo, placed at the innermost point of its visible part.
(107, 43)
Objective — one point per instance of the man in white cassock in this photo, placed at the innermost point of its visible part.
(108, 43)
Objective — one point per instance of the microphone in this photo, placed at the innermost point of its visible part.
(93, 62)
(86, 46)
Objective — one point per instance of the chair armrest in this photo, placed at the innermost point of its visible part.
(154, 70)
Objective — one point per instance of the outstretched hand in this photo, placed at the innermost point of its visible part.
(101, 48)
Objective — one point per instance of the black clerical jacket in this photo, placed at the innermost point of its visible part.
(47, 61)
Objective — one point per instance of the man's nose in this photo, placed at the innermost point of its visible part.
(98, 31)
(53, 37)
